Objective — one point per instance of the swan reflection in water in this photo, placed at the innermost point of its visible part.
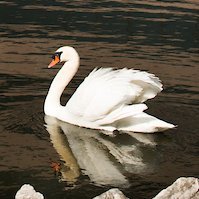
(104, 159)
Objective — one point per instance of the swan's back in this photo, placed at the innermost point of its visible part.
(106, 90)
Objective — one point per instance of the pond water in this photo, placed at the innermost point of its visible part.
(156, 36)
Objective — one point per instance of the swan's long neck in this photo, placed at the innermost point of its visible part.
(61, 80)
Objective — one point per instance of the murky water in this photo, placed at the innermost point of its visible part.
(156, 36)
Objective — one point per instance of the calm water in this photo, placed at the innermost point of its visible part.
(156, 36)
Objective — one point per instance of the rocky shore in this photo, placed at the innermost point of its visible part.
(183, 188)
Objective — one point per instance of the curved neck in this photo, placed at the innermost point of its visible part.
(61, 80)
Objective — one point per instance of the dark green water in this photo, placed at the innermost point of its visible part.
(156, 36)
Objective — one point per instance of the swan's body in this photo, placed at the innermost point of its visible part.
(107, 99)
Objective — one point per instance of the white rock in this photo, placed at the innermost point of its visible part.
(112, 194)
(28, 192)
(182, 188)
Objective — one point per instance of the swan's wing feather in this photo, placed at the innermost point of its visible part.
(105, 90)
(143, 122)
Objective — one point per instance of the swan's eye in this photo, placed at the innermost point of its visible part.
(57, 54)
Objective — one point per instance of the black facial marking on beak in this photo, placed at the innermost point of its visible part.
(57, 54)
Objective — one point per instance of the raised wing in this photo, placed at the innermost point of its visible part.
(106, 91)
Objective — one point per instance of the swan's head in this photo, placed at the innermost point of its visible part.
(63, 54)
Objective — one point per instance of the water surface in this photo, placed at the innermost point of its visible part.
(156, 36)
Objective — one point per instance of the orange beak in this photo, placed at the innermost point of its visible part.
(54, 62)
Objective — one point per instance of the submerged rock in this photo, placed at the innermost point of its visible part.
(183, 188)
(28, 192)
(112, 194)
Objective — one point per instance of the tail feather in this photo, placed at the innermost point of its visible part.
(143, 123)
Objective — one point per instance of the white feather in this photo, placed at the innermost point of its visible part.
(105, 89)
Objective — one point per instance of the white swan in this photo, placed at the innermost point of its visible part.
(107, 99)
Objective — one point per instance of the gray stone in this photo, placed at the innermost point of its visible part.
(112, 194)
(182, 188)
(28, 192)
